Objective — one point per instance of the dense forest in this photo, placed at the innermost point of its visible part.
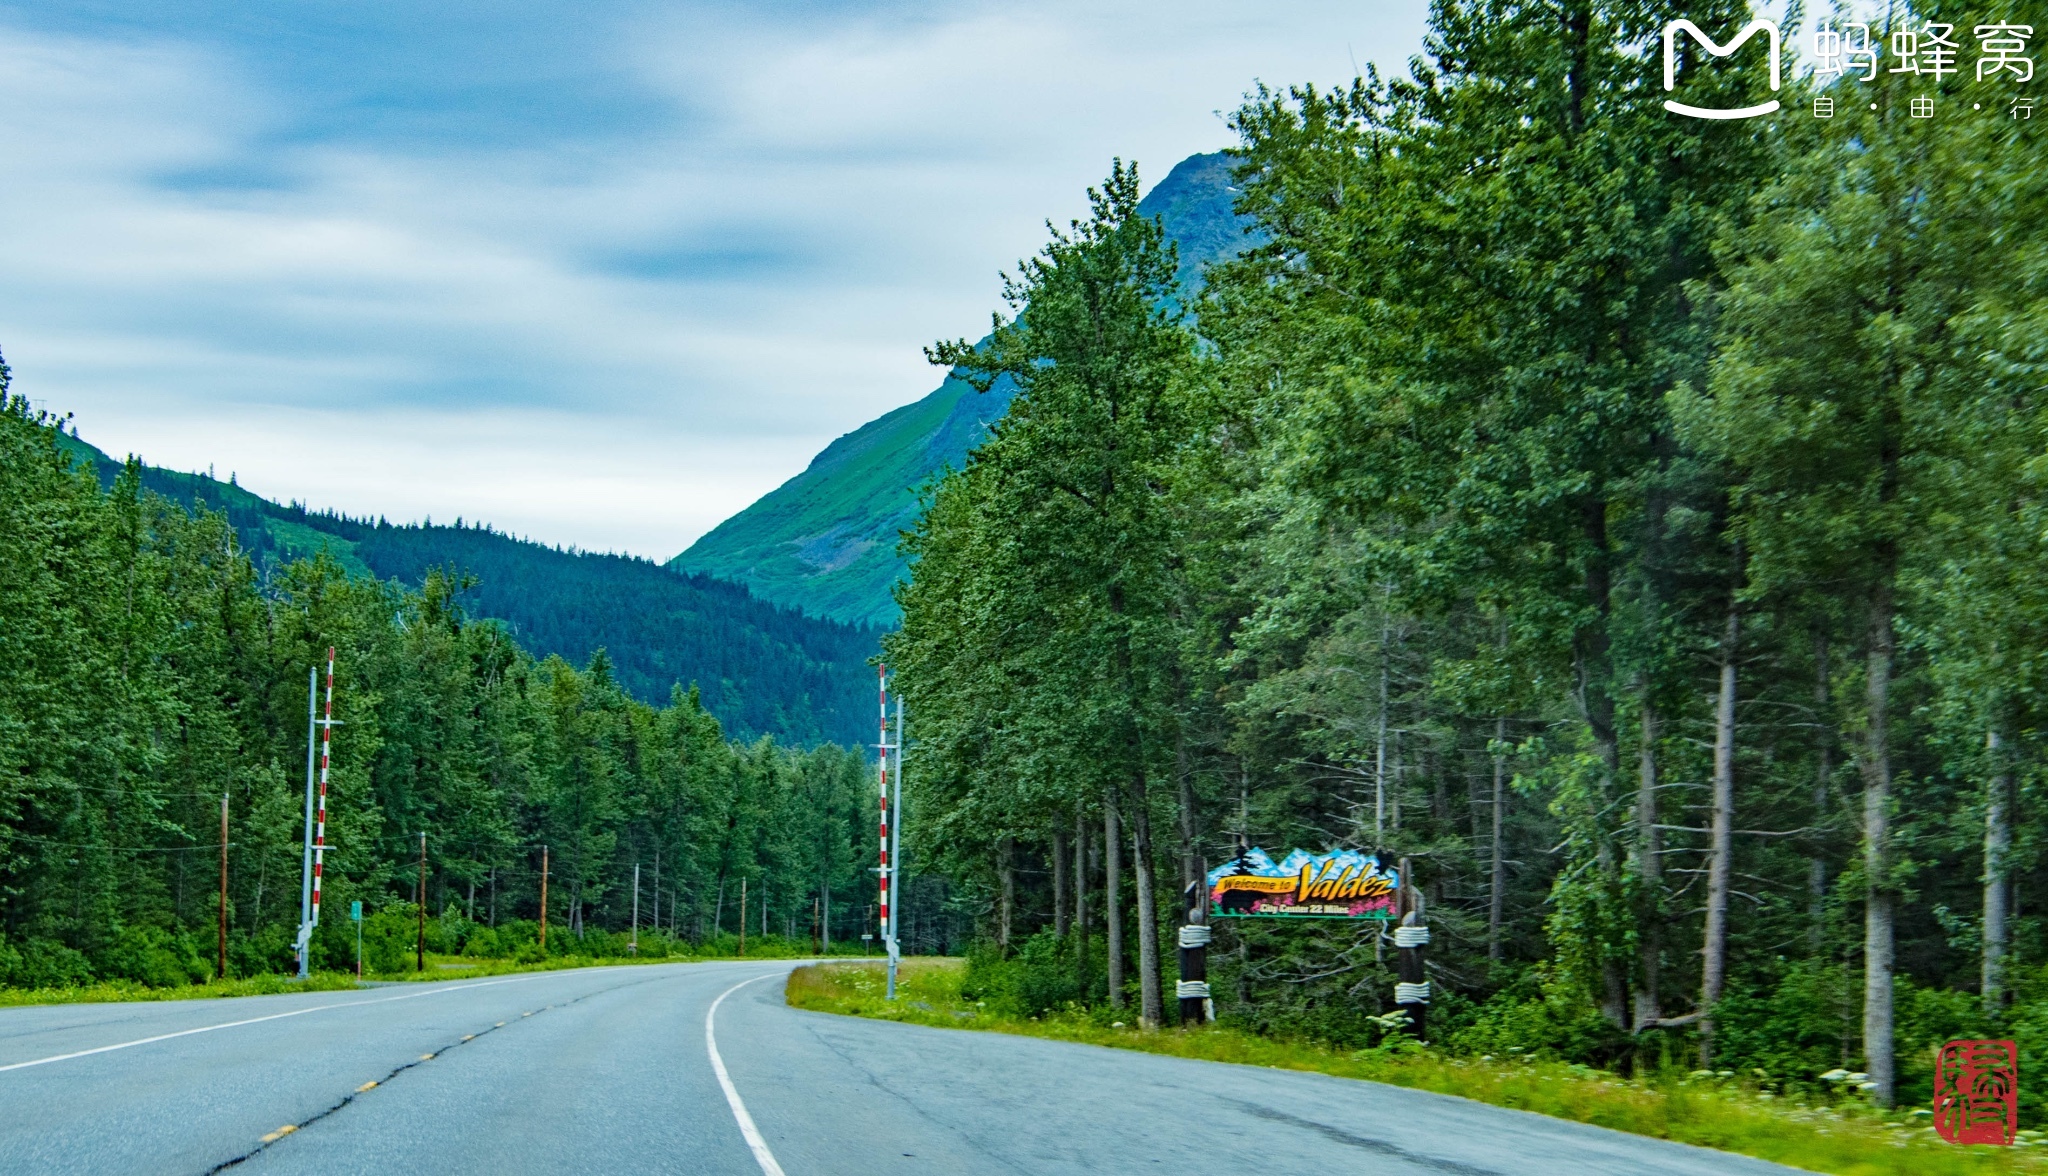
(1632, 521)
(762, 668)
(150, 670)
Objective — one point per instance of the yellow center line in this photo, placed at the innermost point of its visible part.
(365, 1086)
(426, 1057)
(280, 1133)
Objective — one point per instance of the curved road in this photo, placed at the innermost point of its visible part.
(618, 1069)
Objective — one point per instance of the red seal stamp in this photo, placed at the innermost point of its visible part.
(1977, 1091)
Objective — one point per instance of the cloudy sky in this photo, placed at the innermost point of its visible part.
(600, 273)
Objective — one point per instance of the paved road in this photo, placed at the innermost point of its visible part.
(612, 1070)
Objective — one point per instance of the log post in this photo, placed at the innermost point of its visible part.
(1193, 989)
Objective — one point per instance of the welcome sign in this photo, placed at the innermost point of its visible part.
(1341, 884)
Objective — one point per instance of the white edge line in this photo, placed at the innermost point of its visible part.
(758, 1145)
(436, 991)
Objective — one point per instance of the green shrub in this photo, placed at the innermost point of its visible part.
(390, 938)
(1791, 1031)
(1038, 978)
(1540, 1014)
(154, 957)
(42, 963)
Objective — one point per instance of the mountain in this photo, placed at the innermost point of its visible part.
(762, 668)
(825, 541)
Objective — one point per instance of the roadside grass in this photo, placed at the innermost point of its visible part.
(439, 967)
(102, 991)
(1846, 1140)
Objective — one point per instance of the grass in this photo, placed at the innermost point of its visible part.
(1845, 1140)
(116, 990)
(439, 967)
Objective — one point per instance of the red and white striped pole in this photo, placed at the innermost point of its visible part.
(320, 817)
(882, 766)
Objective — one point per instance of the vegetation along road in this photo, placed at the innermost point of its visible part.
(617, 1069)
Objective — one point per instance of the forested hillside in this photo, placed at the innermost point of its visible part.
(826, 540)
(1631, 521)
(761, 668)
(149, 667)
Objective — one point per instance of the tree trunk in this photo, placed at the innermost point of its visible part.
(1379, 772)
(1112, 885)
(1592, 675)
(1721, 845)
(1824, 771)
(1006, 867)
(1997, 880)
(1151, 1002)
(1878, 903)
(1059, 883)
(1497, 865)
(1649, 870)
(1080, 894)
(1190, 872)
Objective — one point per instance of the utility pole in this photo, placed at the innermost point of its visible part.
(633, 947)
(221, 969)
(743, 914)
(543, 900)
(420, 958)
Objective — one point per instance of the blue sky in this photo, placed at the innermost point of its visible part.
(599, 273)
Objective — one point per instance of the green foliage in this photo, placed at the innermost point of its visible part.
(154, 668)
(42, 963)
(1040, 977)
(154, 957)
(762, 667)
(1632, 522)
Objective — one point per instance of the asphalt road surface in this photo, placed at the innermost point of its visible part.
(701, 1068)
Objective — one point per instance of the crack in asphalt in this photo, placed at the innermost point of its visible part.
(1365, 1143)
(290, 1129)
(859, 1065)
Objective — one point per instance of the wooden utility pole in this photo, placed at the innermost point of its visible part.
(221, 968)
(543, 900)
(420, 958)
(743, 914)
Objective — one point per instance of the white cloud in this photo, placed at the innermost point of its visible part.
(613, 338)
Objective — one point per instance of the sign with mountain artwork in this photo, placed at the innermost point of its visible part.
(1341, 884)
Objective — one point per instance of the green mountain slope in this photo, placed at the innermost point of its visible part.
(825, 541)
(762, 668)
